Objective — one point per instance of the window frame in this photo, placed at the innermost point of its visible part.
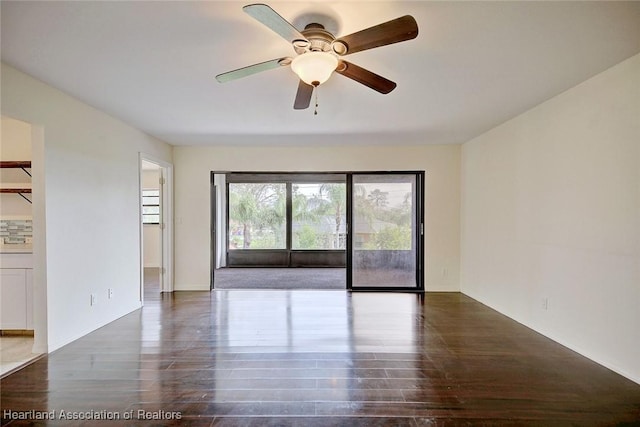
(143, 204)
(287, 257)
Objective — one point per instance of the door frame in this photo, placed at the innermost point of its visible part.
(419, 233)
(419, 221)
(166, 226)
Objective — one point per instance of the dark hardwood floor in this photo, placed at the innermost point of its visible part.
(318, 358)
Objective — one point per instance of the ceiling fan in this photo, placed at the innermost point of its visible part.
(319, 52)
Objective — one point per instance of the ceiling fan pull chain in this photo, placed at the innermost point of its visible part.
(315, 112)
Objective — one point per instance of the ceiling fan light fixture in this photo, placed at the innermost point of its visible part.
(314, 68)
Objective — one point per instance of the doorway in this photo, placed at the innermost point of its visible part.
(23, 294)
(387, 232)
(155, 229)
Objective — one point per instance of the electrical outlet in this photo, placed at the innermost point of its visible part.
(94, 299)
(110, 292)
(545, 303)
(445, 272)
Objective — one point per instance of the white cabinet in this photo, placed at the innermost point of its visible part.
(13, 298)
(28, 275)
(16, 292)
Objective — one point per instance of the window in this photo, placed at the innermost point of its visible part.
(319, 215)
(151, 206)
(284, 219)
(257, 216)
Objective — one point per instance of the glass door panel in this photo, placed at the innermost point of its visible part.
(385, 242)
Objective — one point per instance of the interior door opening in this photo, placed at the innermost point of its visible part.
(23, 290)
(156, 230)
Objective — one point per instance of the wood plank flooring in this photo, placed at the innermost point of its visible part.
(319, 358)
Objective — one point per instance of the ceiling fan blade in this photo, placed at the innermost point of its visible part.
(394, 31)
(277, 23)
(303, 96)
(252, 69)
(366, 77)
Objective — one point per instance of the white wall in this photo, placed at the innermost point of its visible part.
(15, 145)
(90, 167)
(192, 196)
(16, 140)
(551, 209)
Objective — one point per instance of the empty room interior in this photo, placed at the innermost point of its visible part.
(320, 213)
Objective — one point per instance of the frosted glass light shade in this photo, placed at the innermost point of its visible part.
(314, 68)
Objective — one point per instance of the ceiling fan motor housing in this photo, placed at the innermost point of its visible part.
(320, 40)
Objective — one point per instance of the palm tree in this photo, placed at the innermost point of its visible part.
(337, 201)
(378, 198)
(242, 209)
(275, 214)
(255, 206)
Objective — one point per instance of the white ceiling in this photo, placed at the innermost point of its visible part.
(472, 66)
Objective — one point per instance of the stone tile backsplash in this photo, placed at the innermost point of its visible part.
(13, 231)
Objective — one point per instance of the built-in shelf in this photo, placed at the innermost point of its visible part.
(15, 190)
(21, 164)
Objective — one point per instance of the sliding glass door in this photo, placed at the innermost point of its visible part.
(372, 223)
(385, 241)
